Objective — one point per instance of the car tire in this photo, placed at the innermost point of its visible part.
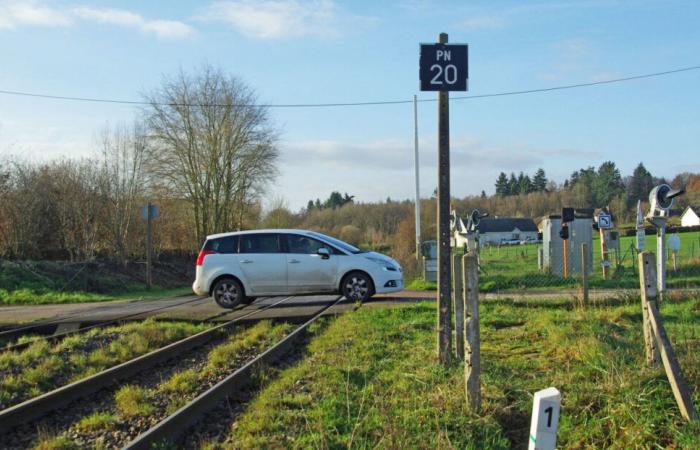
(357, 286)
(228, 293)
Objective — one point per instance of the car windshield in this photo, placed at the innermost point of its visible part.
(338, 243)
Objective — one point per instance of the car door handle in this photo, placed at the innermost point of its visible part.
(294, 261)
(246, 261)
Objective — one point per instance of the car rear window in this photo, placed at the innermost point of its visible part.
(226, 244)
(260, 243)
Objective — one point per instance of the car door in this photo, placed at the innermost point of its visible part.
(307, 271)
(263, 263)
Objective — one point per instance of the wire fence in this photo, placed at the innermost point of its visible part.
(518, 267)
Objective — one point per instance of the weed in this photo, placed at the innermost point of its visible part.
(183, 382)
(132, 401)
(96, 421)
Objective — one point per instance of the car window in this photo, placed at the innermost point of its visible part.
(259, 243)
(305, 245)
(227, 244)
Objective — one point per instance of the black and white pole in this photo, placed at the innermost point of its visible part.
(545, 420)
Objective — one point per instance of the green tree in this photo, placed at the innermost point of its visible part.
(524, 184)
(639, 185)
(539, 181)
(513, 187)
(502, 186)
(607, 184)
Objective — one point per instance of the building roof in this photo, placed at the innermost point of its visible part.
(693, 208)
(506, 225)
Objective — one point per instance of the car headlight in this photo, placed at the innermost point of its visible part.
(386, 265)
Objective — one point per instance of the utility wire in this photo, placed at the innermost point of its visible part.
(370, 103)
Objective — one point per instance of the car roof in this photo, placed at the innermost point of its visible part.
(267, 230)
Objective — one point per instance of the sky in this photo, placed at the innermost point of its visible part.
(332, 51)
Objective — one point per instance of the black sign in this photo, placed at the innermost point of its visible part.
(444, 67)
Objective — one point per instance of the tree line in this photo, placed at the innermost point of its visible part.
(203, 150)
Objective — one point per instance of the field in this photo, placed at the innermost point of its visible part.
(370, 380)
(515, 267)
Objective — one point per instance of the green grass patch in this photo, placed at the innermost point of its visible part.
(371, 380)
(96, 421)
(43, 366)
(132, 401)
(48, 296)
(419, 284)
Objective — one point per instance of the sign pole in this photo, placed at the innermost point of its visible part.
(443, 213)
(149, 245)
(415, 144)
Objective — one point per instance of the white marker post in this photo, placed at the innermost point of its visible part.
(545, 420)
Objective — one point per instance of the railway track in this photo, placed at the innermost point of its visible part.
(83, 316)
(14, 426)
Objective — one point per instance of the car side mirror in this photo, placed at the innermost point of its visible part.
(324, 253)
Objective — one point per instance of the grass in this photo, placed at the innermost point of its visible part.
(50, 296)
(43, 282)
(371, 380)
(132, 401)
(515, 268)
(42, 366)
(97, 421)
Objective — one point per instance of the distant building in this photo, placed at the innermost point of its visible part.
(501, 230)
(690, 217)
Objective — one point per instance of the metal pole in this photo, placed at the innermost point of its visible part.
(443, 213)
(661, 261)
(415, 145)
(149, 246)
(584, 272)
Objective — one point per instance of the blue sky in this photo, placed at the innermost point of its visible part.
(332, 51)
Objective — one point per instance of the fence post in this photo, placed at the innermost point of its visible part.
(472, 344)
(649, 291)
(458, 300)
(584, 272)
(680, 389)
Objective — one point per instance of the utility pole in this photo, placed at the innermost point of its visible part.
(415, 145)
(443, 214)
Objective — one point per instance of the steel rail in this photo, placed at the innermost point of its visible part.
(177, 423)
(45, 403)
(54, 337)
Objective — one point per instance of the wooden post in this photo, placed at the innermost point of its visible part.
(648, 289)
(584, 272)
(472, 344)
(458, 300)
(671, 366)
(149, 245)
(444, 319)
(674, 258)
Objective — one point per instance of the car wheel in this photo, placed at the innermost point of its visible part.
(228, 293)
(357, 286)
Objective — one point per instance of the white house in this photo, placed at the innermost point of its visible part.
(496, 231)
(690, 217)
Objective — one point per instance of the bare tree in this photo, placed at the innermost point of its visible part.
(122, 183)
(212, 145)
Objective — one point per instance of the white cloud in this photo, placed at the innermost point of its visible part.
(21, 13)
(277, 19)
(17, 13)
(162, 28)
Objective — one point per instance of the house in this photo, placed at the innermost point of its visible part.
(498, 230)
(690, 217)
